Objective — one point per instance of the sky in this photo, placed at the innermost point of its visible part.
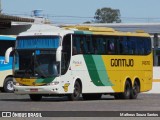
(79, 11)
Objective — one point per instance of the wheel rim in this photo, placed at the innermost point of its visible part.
(10, 85)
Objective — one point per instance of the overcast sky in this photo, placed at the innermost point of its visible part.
(79, 11)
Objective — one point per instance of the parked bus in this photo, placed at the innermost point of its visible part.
(6, 77)
(85, 60)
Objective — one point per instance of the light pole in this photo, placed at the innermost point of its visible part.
(0, 7)
(156, 44)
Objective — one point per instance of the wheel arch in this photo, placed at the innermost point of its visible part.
(80, 82)
(124, 83)
(4, 88)
(6, 78)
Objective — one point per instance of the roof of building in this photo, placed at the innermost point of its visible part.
(6, 20)
(15, 18)
(131, 27)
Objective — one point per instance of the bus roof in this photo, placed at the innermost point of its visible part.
(7, 37)
(43, 29)
(40, 30)
(105, 31)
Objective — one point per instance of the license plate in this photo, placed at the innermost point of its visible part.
(34, 90)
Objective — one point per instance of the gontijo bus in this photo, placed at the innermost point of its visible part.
(6, 77)
(83, 60)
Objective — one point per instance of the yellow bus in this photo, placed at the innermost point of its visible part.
(82, 60)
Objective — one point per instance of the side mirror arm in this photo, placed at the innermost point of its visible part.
(7, 54)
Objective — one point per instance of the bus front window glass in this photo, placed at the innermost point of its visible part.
(46, 65)
(30, 64)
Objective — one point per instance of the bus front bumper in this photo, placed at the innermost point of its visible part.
(36, 89)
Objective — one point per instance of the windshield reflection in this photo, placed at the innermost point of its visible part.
(35, 63)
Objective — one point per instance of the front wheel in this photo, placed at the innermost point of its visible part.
(8, 85)
(76, 93)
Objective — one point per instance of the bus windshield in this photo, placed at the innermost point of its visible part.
(35, 63)
(36, 57)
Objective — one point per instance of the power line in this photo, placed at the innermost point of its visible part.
(89, 18)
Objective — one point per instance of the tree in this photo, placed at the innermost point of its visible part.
(107, 15)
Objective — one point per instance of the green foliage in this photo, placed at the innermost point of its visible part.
(107, 15)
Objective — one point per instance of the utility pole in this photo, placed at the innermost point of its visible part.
(0, 7)
(156, 44)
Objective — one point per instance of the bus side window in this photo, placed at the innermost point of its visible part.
(83, 44)
(111, 46)
(66, 53)
(147, 43)
(94, 44)
(89, 44)
(121, 48)
(76, 46)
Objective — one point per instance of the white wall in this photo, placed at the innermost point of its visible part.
(156, 77)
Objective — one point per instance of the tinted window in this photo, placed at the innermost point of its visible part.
(106, 45)
(4, 45)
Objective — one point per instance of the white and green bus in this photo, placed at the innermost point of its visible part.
(83, 60)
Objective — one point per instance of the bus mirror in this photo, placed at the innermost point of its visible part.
(58, 54)
(7, 54)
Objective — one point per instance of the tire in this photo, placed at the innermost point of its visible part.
(8, 85)
(117, 96)
(35, 97)
(135, 90)
(127, 91)
(92, 96)
(76, 92)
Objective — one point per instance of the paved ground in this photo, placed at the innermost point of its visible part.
(144, 102)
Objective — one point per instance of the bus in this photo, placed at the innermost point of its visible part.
(6, 76)
(82, 60)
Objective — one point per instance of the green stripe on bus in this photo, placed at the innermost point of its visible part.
(92, 70)
(46, 80)
(101, 70)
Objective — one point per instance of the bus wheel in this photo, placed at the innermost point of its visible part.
(127, 91)
(135, 90)
(92, 96)
(76, 93)
(8, 85)
(35, 97)
(117, 96)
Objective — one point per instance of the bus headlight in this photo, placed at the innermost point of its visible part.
(54, 83)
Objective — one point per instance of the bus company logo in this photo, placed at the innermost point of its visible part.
(77, 63)
(65, 87)
(122, 62)
(6, 114)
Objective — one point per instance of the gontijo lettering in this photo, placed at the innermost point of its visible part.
(122, 62)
